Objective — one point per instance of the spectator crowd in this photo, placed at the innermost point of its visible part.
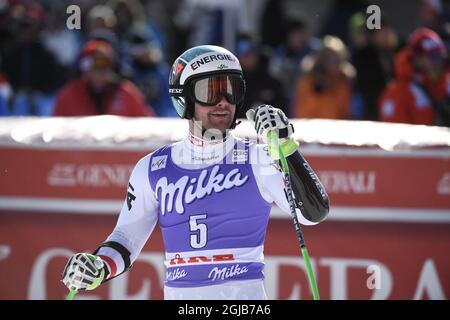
(118, 61)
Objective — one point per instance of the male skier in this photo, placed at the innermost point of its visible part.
(211, 193)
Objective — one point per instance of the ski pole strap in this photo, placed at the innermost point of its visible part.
(287, 147)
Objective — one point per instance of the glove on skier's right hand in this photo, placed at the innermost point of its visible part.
(83, 271)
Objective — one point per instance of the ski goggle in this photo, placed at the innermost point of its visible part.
(209, 91)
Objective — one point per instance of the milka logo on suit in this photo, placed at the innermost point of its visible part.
(227, 272)
(187, 191)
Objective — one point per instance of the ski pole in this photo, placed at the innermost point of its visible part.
(71, 294)
(273, 138)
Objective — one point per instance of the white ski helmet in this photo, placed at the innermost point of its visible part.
(205, 74)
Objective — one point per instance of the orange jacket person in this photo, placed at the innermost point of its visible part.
(325, 90)
(420, 94)
(99, 89)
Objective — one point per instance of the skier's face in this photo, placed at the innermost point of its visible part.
(219, 116)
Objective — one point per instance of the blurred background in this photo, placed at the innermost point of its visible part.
(297, 55)
(371, 108)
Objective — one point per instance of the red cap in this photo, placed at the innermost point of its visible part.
(96, 53)
(425, 41)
